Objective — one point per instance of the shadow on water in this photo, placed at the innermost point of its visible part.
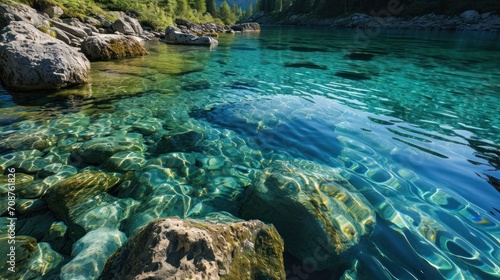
(311, 139)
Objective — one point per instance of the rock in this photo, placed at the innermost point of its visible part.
(61, 35)
(173, 35)
(125, 161)
(106, 47)
(178, 142)
(470, 16)
(214, 248)
(123, 27)
(92, 21)
(331, 214)
(134, 23)
(246, 27)
(73, 30)
(44, 260)
(33, 60)
(14, 11)
(91, 253)
(98, 150)
(25, 249)
(63, 197)
(53, 11)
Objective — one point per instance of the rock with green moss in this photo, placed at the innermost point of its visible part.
(112, 46)
(331, 214)
(64, 197)
(220, 247)
(25, 249)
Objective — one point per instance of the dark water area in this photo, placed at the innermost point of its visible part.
(410, 119)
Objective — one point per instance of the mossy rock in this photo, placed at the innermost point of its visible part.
(111, 46)
(214, 248)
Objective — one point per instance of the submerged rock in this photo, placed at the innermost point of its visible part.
(91, 253)
(98, 150)
(356, 76)
(319, 214)
(305, 64)
(65, 196)
(214, 248)
(359, 56)
(111, 46)
(173, 35)
(33, 60)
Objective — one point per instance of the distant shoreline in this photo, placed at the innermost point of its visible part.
(468, 20)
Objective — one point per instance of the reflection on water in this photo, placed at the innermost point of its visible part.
(410, 119)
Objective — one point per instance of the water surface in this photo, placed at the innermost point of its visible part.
(411, 119)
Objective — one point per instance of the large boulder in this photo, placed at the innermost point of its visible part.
(111, 46)
(246, 27)
(123, 27)
(219, 247)
(53, 11)
(320, 215)
(470, 16)
(173, 35)
(33, 60)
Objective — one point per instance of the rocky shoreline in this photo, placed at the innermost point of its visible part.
(468, 20)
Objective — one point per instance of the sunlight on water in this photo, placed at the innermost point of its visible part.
(414, 127)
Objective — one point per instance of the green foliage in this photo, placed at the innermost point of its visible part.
(200, 6)
(211, 7)
(225, 13)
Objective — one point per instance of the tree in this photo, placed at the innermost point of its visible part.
(200, 6)
(211, 7)
(225, 13)
(182, 7)
(249, 9)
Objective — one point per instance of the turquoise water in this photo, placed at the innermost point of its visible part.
(412, 123)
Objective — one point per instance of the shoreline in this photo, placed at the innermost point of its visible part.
(467, 21)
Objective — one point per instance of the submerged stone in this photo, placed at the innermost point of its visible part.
(28, 140)
(44, 260)
(214, 248)
(125, 161)
(25, 249)
(63, 197)
(356, 76)
(179, 142)
(359, 56)
(91, 253)
(305, 64)
(97, 150)
(331, 214)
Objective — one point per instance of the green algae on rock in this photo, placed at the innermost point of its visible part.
(173, 248)
(331, 214)
(63, 197)
(112, 46)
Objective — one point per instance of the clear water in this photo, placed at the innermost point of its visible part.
(416, 129)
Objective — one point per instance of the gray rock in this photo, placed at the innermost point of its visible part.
(173, 35)
(200, 249)
(106, 47)
(33, 60)
(331, 214)
(61, 35)
(123, 27)
(246, 27)
(134, 23)
(470, 16)
(74, 30)
(92, 21)
(53, 11)
(14, 11)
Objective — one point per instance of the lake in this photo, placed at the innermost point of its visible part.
(410, 119)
